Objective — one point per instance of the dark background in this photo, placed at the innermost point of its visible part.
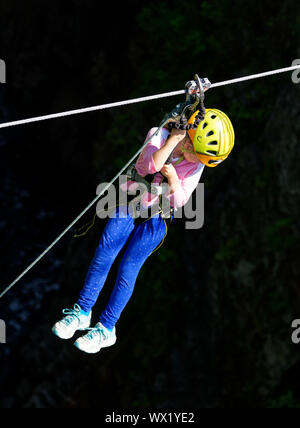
(209, 324)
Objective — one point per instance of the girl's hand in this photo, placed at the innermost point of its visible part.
(178, 134)
(169, 171)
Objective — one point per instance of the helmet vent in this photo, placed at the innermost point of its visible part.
(211, 152)
(213, 116)
(211, 161)
(213, 143)
(210, 133)
(204, 125)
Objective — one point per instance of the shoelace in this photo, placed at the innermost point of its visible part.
(72, 314)
(96, 331)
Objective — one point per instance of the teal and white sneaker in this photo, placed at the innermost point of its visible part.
(99, 337)
(74, 320)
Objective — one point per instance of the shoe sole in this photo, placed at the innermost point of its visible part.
(94, 350)
(63, 336)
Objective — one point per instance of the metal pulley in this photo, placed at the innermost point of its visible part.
(194, 90)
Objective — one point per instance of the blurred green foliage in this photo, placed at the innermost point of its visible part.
(285, 401)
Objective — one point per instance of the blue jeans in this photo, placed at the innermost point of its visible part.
(143, 239)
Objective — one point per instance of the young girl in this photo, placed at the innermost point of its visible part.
(209, 144)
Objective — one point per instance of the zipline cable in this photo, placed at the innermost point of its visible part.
(142, 99)
(104, 106)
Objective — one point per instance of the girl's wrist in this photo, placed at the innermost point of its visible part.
(173, 140)
(174, 183)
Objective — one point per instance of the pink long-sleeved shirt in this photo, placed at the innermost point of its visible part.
(188, 173)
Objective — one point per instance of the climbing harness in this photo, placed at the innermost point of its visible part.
(111, 105)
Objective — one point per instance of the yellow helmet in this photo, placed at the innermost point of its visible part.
(213, 139)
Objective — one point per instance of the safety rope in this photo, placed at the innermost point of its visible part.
(142, 99)
(102, 107)
(81, 214)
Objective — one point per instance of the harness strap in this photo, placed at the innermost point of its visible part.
(147, 181)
